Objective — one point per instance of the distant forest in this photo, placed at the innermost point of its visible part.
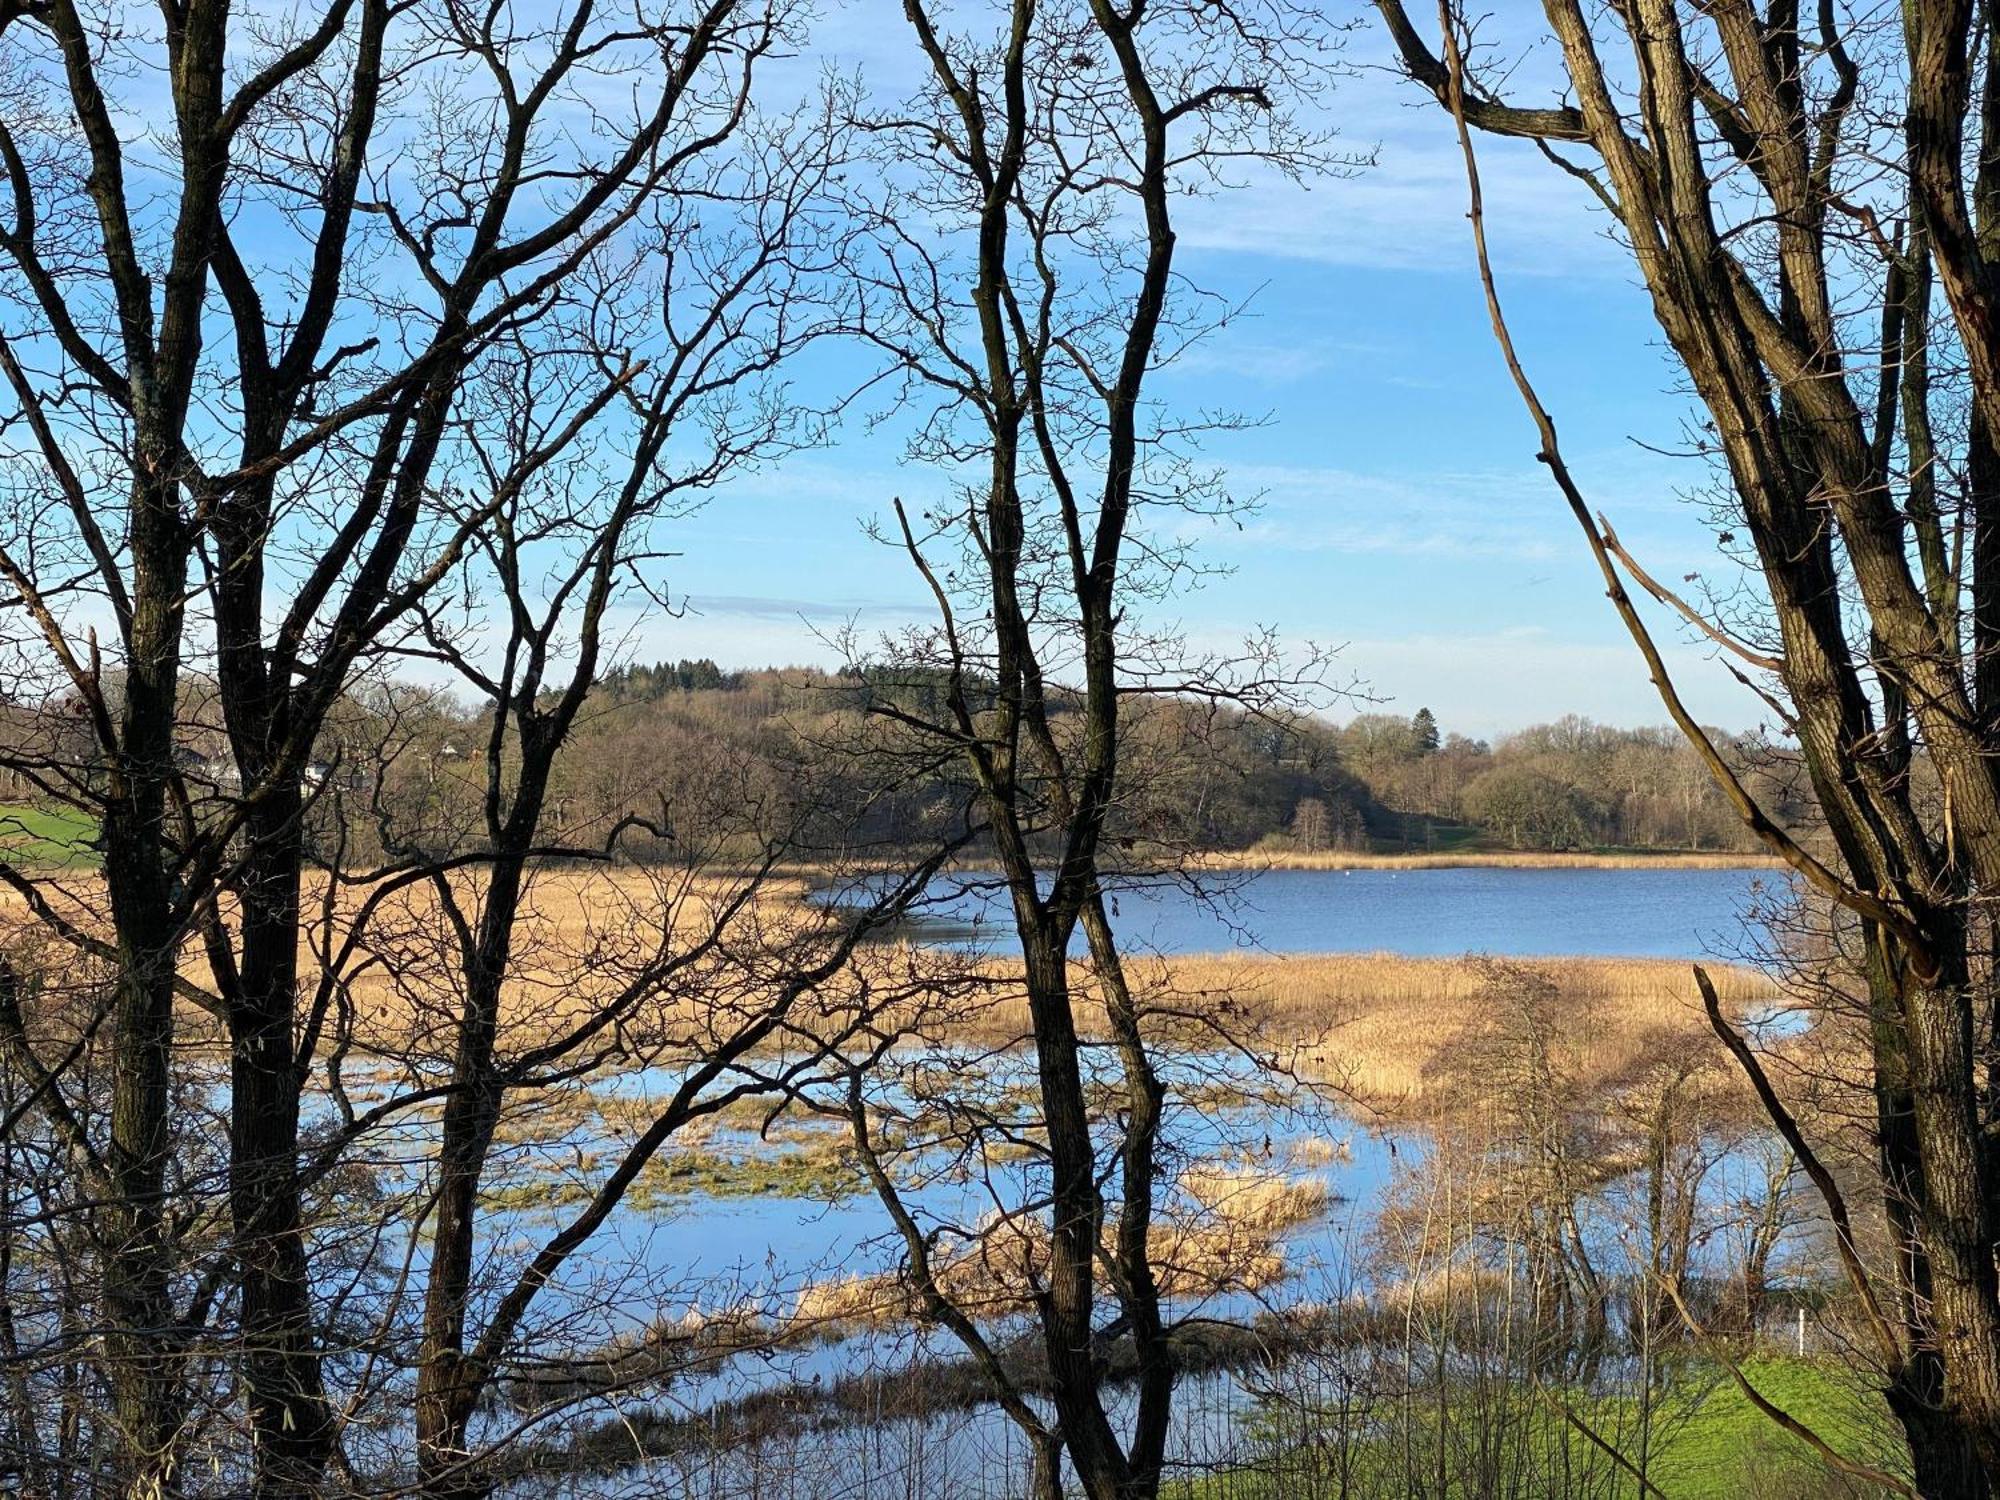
(659, 743)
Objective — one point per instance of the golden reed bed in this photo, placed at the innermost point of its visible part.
(1379, 1024)
(584, 936)
(1385, 1027)
(1462, 859)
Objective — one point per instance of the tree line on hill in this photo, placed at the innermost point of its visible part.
(1304, 784)
(1571, 784)
(670, 736)
(659, 745)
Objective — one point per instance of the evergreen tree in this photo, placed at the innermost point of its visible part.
(1425, 727)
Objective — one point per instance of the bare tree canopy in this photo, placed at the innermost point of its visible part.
(1809, 194)
(324, 346)
(1045, 151)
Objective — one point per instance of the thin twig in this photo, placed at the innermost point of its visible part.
(1815, 872)
(1686, 610)
(1787, 1127)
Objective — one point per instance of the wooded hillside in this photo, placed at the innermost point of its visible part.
(677, 734)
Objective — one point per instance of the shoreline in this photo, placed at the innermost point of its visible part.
(1494, 859)
(1256, 860)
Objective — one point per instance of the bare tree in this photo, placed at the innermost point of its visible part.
(1026, 290)
(1791, 183)
(235, 354)
(702, 971)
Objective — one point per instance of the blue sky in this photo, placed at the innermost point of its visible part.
(1404, 518)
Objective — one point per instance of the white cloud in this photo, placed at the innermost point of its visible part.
(1258, 362)
(1407, 209)
(1449, 512)
(813, 612)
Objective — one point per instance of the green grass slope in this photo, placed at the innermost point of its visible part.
(1712, 1444)
(56, 837)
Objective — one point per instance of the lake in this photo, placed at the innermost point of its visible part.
(1623, 913)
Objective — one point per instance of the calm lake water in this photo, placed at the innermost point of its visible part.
(1687, 913)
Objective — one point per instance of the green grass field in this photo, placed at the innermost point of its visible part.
(56, 837)
(1717, 1446)
(1727, 1443)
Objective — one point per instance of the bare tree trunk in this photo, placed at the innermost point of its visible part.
(448, 1387)
(141, 1337)
(282, 1359)
(1047, 370)
(1068, 1299)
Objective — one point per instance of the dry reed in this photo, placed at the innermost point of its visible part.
(1372, 1022)
(1227, 1235)
(1378, 1023)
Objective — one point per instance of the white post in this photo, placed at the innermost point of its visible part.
(1802, 1333)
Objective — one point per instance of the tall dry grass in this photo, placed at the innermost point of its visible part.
(1352, 859)
(584, 936)
(1226, 1235)
(1376, 1023)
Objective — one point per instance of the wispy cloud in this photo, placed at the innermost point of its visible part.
(1446, 513)
(1405, 210)
(1399, 536)
(815, 611)
(1507, 510)
(1258, 362)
